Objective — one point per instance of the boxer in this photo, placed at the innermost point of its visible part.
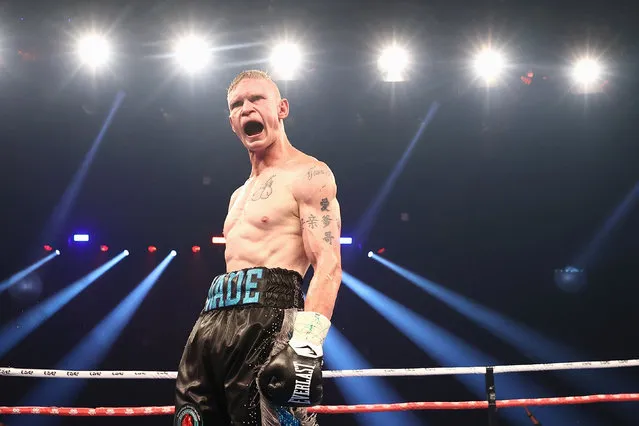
(254, 355)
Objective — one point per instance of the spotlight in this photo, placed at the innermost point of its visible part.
(57, 252)
(152, 249)
(286, 59)
(192, 53)
(126, 252)
(489, 64)
(370, 254)
(104, 248)
(173, 253)
(47, 248)
(570, 279)
(81, 238)
(381, 251)
(587, 71)
(94, 50)
(346, 240)
(195, 249)
(393, 63)
(218, 240)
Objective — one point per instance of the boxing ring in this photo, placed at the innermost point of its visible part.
(491, 404)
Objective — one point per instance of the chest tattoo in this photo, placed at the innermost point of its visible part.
(264, 191)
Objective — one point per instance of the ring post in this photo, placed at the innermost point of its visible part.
(491, 396)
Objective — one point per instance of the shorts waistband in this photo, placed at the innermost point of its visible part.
(259, 286)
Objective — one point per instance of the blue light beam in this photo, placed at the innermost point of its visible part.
(368, 219)
(449, 350)
(340, 354)
(65, 204)
(14, 332)
(523, 338)
(92, 350)
(527, 340)
(588, 255)
(16, 278)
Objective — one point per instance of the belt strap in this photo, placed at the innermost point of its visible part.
(254, 286)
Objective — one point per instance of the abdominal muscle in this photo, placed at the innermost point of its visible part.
(248, 246)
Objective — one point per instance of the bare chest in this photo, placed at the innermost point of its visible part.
(264, 204)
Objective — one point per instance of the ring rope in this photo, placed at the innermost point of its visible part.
(336, 409)
(439, 371)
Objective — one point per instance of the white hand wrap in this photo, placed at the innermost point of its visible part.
(309, 331)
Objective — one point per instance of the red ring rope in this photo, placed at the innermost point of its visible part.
(336, 409)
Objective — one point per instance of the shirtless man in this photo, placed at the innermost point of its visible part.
(254, 356)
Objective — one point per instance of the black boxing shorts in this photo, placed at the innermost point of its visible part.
(247, 318)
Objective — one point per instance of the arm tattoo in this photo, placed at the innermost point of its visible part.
(328, 237)
(324, 204)
(311, 222)
(326, 220)
(314, 172)
(264, 191)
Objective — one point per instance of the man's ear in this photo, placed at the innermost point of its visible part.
(282, 111)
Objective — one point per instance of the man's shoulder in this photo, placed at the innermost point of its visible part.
(312, 176)
(236, 192)
(308, 167)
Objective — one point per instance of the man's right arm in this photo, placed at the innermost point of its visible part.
(234, 196)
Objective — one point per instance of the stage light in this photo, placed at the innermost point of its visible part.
(195, 249)
(192, 53)
(489, 64)
(104, 248)
(57, 252)
(346, 240)
(393, 63)
(152, 249)
(81, 238)
(94, 50)
(570, 279)
(218, 240)
(370, 254)
(587, 71)
(173, 253)
(48, 248)
(126, 252)
(286, 59)
(381, 251)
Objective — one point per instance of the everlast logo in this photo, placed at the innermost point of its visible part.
(26, 372)
(117, 373)
(73, 373)
(302, 391)
(5, 372)
(234, 288)
(50, 373)
(95, 373)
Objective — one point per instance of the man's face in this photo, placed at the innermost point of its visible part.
(255, 113)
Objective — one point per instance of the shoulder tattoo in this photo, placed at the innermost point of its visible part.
(314, 171)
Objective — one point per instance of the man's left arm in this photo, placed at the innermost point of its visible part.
(319, 210)
(294, 376)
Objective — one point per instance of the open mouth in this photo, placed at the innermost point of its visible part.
(253, 128)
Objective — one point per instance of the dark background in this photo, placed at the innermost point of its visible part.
(503, 187)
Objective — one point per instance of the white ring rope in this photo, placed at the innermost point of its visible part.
(376, 372)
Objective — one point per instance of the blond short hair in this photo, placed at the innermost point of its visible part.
(252, 74)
